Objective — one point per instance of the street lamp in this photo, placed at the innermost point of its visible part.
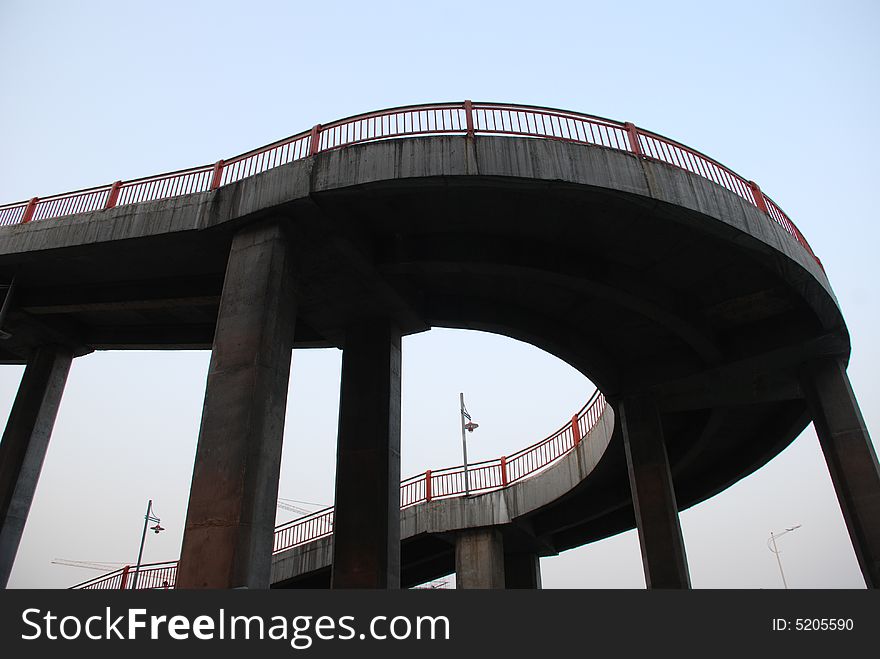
(149, 517)
(470, 426)
(772, 541)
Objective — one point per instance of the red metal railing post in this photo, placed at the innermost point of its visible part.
(29, 210)
(113, 197)
(315, 139)
(124, 581)
(575, 430)
(633, 134)
(218, 175)
(428, 492)
(760, 202)
(503, 471)
(469, 117)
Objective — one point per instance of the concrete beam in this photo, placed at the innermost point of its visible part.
(605, 283)
(766, 377)
(653, 494)
(192, 336)
(522, 570)
(341, 235)
(124, 296)
(769, 388)
(25, 442)
(851, 458)
(30, 333)
(125, 305)
(231, 516)
(366, 527)
(479, 559)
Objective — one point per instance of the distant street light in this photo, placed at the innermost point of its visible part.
(149, 517)
(772, 541)
(470, 426)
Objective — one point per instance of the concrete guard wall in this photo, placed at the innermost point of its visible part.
(548, 161)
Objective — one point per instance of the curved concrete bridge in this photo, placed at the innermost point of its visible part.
(677, 286)
(488, 538)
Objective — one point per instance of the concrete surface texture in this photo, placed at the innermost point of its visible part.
(24, 445)
(656, 283)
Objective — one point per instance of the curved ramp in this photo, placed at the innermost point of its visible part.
(505, 491)
(652, 268)
(428, 528)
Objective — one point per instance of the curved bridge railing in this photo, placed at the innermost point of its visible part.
(465, 118)
(428, 486)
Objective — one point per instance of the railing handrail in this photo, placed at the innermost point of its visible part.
(92, 583)
(480, 118)
(125, 575)
(595, 399)
(314, 527)
(581, 412)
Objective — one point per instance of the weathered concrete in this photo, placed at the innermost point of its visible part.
(24, 445)
(522, 570)
(436, 157)
(501, 508)
(230, 520)
(851, 458)
(642, 276)
(479, 559)
(366, 525)
(653, 494)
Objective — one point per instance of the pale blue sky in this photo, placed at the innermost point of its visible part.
(785, 93)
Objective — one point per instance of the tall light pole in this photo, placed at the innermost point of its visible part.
(470, 426)
(772, 541)
(149, 517)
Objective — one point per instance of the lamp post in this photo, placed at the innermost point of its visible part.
(149, 517)
(772, 541)
(470, 426)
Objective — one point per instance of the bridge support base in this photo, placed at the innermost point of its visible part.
(851, 458)
(230, 520)
(522, 570)
(479, 559)
(24, 445)
(366, 526)
(653, 493)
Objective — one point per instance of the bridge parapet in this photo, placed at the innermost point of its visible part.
(467, 118)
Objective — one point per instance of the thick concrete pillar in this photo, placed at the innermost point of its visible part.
(479, 559)
(522, 570)
(230, 521)
(851, 458)
(653, 494)
(25, 442)
(366, 526)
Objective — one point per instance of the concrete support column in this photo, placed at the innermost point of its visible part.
(653, 493)
(25, 442)
(522, 570)
(366, 526)
(851, 458)
(230, 520)
(479, 559)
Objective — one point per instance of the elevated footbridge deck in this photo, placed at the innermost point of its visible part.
(678, 287)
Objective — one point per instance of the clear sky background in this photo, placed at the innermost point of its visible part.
(785, 93)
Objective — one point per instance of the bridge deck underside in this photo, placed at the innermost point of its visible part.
(638, 294)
